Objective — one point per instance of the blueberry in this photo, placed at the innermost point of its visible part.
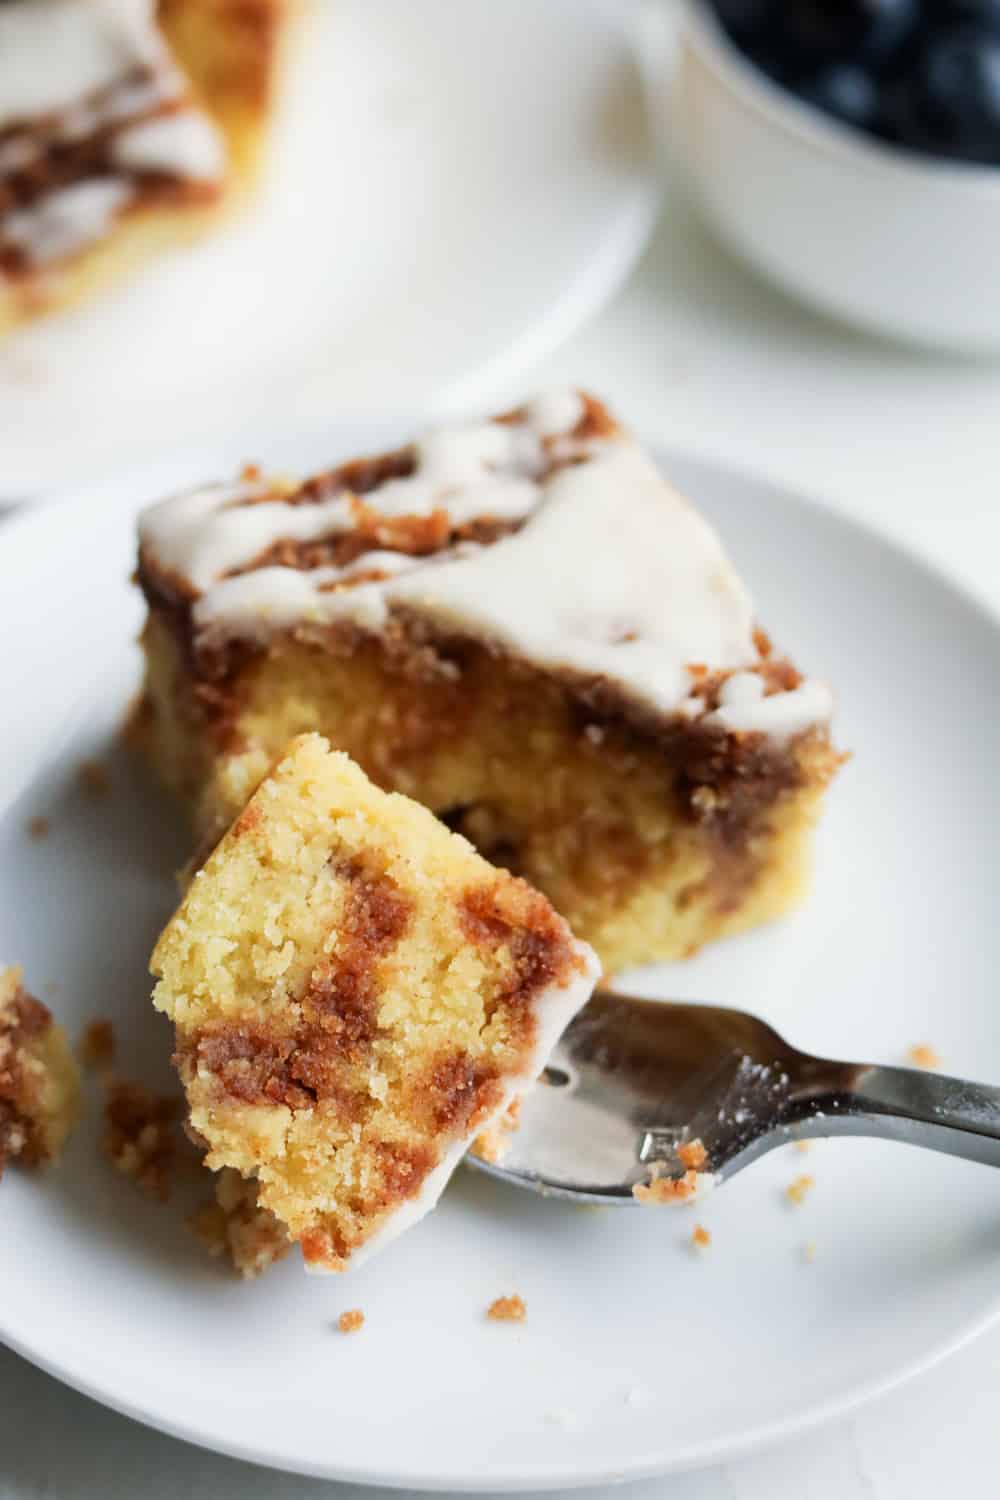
(948, 103)
(953, 12)
(823, 31)
(747, 20)
(846, 91)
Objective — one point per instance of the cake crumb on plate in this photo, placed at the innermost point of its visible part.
(352, 1321)
(508, 1309)
(236, 1226)
(809, 1251)
(38, 828)
(93, 778)
(700, 1237)
(798, 1189)
(923, 1055)
(96, 1048)
(140, 1135)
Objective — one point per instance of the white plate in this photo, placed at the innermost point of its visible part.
(455, 187)
(637, 1357)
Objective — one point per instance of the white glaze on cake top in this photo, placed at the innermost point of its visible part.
(72, 70)
(612, 575)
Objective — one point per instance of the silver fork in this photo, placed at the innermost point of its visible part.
(632, 1080)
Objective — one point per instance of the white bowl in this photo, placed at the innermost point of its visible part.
(896, 242)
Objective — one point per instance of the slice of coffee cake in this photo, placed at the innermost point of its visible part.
(522, 625)
(356, 995)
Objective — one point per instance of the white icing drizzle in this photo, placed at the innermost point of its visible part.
(613, 575)
(184, 143)
(743, 707)
(54, 52)
(489, 469)
(67, 220)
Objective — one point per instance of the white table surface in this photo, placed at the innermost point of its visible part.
(700, 355)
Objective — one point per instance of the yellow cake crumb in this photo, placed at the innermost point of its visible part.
(700, 1237)
(508, 1309)
(236, 1226)
(923, 1055)
(798, 1189)
(493, 1144)
(350, 1322)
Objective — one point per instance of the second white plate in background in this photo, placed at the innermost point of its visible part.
(454, 188)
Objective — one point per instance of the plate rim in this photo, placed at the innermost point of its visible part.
(703, 1452)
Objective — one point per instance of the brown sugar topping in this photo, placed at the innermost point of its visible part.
(508, 1309)
(298, 1068)
(457, 1091)
(352, 1321)
(538, 942)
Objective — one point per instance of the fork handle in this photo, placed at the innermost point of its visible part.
(904, 1104)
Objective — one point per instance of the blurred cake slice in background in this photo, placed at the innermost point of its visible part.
(123, 131)
(356, 994)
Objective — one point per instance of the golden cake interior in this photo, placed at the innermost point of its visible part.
(355, 992)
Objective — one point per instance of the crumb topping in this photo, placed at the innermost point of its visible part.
(507, 1309)
(38, 1082)
(141, 1136)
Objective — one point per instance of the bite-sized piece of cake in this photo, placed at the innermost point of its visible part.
(114, 140)
(521, 624)
(356, 994)
(39, 1081)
